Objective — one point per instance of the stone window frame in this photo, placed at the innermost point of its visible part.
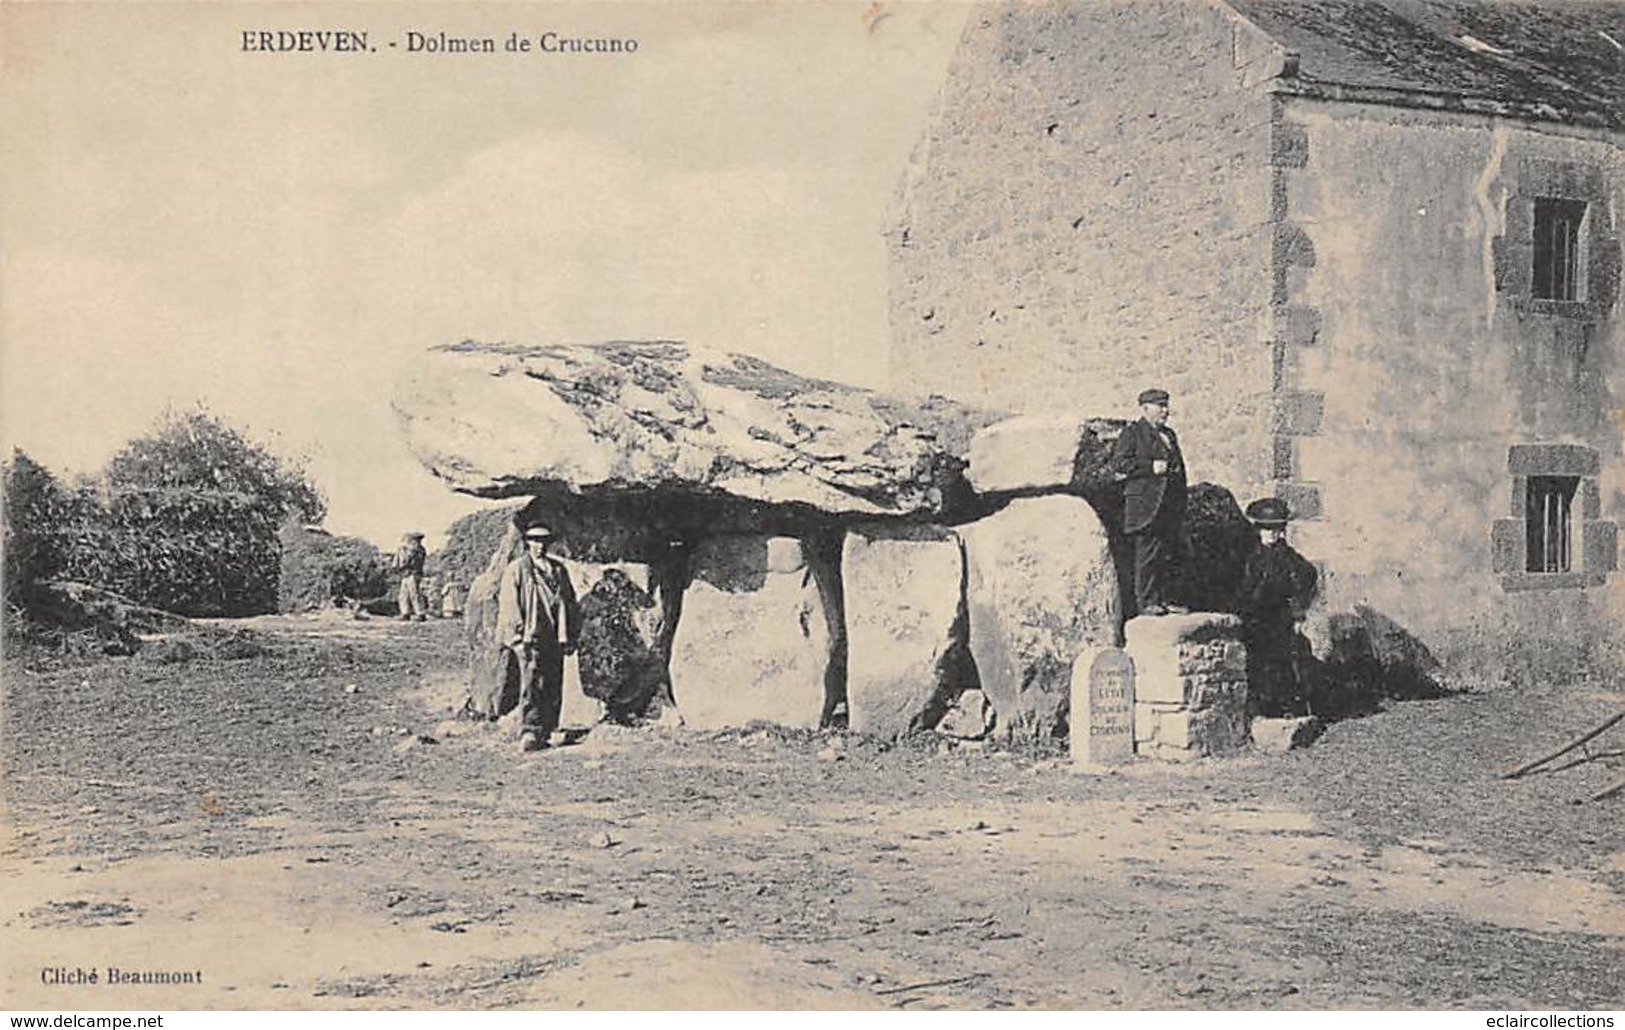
(1598, 551)
(1539, 179)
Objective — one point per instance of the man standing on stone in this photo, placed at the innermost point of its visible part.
(538, 621)
(1276, 587)
(1147, 459)
(409, 560)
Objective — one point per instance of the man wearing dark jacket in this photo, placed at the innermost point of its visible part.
(1147, 460)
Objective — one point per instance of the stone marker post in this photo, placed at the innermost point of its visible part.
(1102, 719)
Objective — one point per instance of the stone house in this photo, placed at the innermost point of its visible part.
(1371, 246)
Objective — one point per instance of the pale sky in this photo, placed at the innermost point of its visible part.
(276, 235)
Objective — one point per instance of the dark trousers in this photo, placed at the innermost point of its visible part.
(541, 688)
(1155, 550)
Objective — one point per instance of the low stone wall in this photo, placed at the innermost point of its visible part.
(1190, 685)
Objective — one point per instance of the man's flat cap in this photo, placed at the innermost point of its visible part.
(414, 536)
(1154, 397)
(1269, 511)
(538, 531)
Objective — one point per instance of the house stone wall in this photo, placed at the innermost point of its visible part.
(1091, 212)
(1427, 380)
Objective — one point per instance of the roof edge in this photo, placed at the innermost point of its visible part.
(1432, 100)
(1257, 54)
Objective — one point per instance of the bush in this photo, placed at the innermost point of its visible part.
(198, 553)
(196, 452)
(36, 510)
(470, 542)
(188, 520)
(319, 568)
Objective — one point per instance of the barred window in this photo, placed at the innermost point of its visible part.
(1550, 541)
(1557, 248)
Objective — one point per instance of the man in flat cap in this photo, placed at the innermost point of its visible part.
(538, 620)
(1276, 588)
(409, 560)
(1146, 458)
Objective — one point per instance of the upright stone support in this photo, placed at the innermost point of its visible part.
(1040, 587)
(753, 643)
(1190, 685)
(905, 609)
(823, 555)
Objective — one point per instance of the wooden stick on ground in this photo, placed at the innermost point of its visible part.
(1566, 748)
(933, 983)
(1608, 791)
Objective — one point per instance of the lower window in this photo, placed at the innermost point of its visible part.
(1549, 521)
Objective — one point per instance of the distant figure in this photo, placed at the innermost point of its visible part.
(1276, 588)
(451, 599)
(409, 560)
(1146, 458)
(538, 622)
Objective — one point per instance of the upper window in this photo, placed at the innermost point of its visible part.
(1557, 248)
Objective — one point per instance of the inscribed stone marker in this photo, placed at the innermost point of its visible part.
(1102, 717)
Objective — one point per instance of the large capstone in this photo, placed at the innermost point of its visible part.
(1041, 587)
(907, 626)
(648, 442)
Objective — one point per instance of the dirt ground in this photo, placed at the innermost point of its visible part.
(281, 825)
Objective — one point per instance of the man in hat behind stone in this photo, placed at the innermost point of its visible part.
(538, 620)
(1277, 586)
(1147, 459)
(409, 560)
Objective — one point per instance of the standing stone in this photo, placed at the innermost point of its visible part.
(752, 643)
(1040, 589)
(1190, 685)
(907, 626)
(1102, 730)
(620, 660)
(491, 691)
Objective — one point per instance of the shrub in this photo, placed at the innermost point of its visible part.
(188, 519)
(470, 542)
(36, 508)
(319, 568)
